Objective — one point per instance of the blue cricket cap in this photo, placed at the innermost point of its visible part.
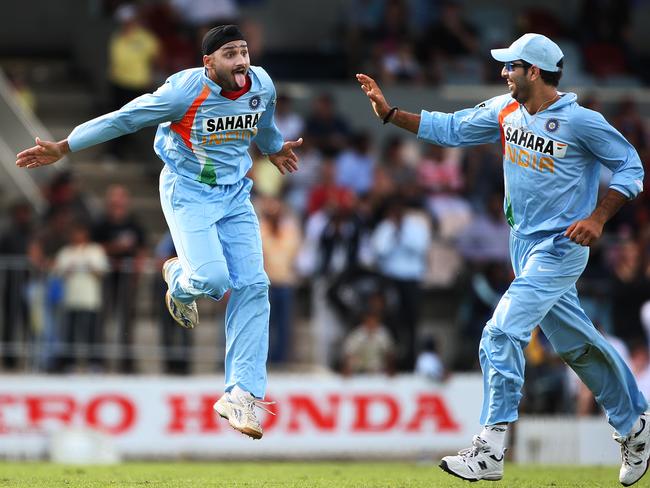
(534, 49)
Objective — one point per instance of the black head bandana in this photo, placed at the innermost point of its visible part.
(218, 36)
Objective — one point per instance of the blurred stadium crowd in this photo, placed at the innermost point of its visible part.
(363, 239)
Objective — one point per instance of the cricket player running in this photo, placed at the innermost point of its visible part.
(552, 151)
(207, 118)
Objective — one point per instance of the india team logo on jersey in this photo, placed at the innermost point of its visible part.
(552, 125)
(529, 140)
(254, 102)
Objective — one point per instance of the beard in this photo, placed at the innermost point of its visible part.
(226, 79)
(519, 93)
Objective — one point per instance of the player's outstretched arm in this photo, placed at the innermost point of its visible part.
(285, 159)
(383, 110)
(42, 154)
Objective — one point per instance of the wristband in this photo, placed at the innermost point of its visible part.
(390, 113)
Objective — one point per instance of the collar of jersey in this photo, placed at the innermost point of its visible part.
(216, 89)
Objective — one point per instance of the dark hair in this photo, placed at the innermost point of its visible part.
(552, 77)
(549, 77)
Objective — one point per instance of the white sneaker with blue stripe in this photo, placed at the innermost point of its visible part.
(479, 462)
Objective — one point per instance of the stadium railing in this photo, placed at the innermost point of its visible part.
(18, 128)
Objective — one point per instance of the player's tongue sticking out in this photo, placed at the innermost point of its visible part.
(240, 79)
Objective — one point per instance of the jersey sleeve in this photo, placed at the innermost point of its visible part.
(478, 125)
(269, 139)
(611, 149)
(167, 103)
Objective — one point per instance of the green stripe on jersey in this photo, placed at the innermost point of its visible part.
(208, 175)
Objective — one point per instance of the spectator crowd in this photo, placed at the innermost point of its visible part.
(359, 239)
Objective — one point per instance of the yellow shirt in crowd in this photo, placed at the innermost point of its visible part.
(132, 54)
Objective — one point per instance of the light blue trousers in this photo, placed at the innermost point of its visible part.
(544, 292)
(217, 239)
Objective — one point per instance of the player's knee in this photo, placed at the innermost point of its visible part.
(575, 355)
(495, 336)
(212, 279)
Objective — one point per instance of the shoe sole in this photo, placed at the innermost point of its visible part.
(253, 434)
(168, 299)
(647, 464)
(443, 465)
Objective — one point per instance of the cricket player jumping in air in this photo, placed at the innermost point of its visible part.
(207, 118)
(552, 151)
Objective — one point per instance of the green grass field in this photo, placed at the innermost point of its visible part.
(281, 474)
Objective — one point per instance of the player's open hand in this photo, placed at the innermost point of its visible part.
(42, 154)
(285, 159)
(585, 232)
(374, 93)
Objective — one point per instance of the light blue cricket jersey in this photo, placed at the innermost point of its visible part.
(201, 134)
(550, 160)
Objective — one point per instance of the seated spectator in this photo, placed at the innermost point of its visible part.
(355, 166)
(452, 46)
(482, 168)
(439, 170)
(401, 64)
(281, 240)
(369, 348)
(177, 44)
(630, 290)
(123, 238)
(81, 264)
(396, 165)
(328, 130)
(331, 247)
(629, 122)
(14, 279)
(363, 20)
(298, 185)
(290, 124)
(400, 244)
(134, 53)
(327, 190)
(268, 180)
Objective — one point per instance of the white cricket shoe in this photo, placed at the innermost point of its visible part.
(238, 408)
(479, 462)
(635, 450)
(185, 314)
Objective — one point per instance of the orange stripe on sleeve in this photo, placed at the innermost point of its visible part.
(507, 110)
(184, 127)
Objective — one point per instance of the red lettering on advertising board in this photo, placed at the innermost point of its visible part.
(362, 405)
(432, 408)
(5, 400)
(125, 407)
(199, 413)
(49, 407)
(322, 418)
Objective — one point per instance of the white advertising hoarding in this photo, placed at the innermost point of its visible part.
(317, 416)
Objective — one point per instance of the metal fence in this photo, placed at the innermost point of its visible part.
(129, 332)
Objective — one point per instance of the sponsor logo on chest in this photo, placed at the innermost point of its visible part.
(529, 140)
(231, 122)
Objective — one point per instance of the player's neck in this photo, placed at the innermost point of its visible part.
(235, 94)
(542, 100)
